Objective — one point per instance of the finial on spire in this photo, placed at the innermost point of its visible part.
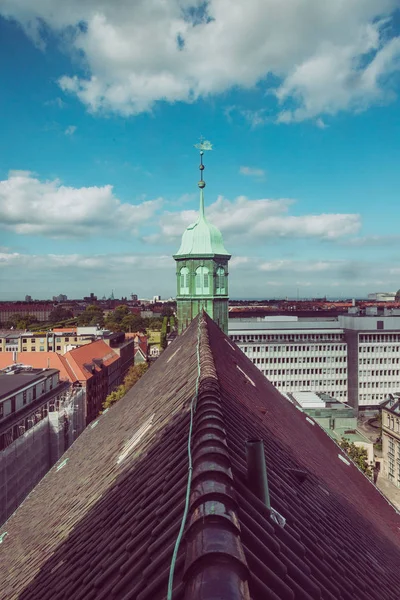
(203, 145)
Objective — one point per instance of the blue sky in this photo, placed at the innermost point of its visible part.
(100, 108)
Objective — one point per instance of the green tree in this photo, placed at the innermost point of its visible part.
(358, 455)
(133, 323)
(121, 319)
(21, 321)
(120, 312)
(154, 324)
(133, 375)
(93, 315)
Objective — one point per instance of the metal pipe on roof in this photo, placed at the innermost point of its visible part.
(257, 471)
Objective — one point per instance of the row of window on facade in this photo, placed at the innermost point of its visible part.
(294, 348)
(336, 382)
(203, 281)
(289, 337)
(367, 349)
(369, 397)
(310, 384)
(338, 371)
(378, 361)
(299, 359)
(379, 384)
(41, 340)
(32, 349)
(388, 373)
(380, 338)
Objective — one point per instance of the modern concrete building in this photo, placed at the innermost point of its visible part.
(354, 358)
(391, 438)
(202, 269)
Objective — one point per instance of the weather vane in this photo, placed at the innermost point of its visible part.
(203, 145)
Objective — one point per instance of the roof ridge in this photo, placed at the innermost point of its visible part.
(215, 556)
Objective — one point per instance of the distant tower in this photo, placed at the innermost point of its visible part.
(202, 267)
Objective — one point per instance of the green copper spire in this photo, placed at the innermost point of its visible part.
(202, 267)
(202, 238)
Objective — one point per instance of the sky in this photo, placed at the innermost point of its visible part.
(101, 104)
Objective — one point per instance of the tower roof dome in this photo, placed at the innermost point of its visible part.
(202, 238)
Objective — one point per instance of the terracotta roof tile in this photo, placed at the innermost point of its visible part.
(78, 358)
(39, 360)
(99, 528)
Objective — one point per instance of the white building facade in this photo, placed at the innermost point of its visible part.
(353, 358)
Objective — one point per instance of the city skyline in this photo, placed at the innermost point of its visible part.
(98, 173)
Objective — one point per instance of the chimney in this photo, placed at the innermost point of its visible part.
(257, 470)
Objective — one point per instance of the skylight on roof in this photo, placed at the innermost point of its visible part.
(136, 438)
(247, 377)
(343, 459)
(229, 344)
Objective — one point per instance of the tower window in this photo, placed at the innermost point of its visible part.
(202, 281)
(184, 281)
(221, 281)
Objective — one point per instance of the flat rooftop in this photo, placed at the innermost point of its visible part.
(12, 382)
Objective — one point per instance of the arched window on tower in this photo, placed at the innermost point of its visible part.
(221, 281)
(202, 281)
(184, 281)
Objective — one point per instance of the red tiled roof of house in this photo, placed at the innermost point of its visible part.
(104, 521)
(85, 355)
(39, 360)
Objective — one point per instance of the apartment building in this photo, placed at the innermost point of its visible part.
(391, 438)
(58, 340)
(25, 390)
(40, 310)
(353, 358)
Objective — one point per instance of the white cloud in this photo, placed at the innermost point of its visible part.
(299, 266)
(252, 172)
(320, 123)
(327, 56)
(57, 102)
(260, 220)
(70, 130)
(76, 275)
(255, 118)
(30, 206)
(108, 262)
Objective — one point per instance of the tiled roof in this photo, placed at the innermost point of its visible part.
(103, 522)
(80, 357)
(39, 360)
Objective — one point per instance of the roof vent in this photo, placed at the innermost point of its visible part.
(298, 474)
(257, 470)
